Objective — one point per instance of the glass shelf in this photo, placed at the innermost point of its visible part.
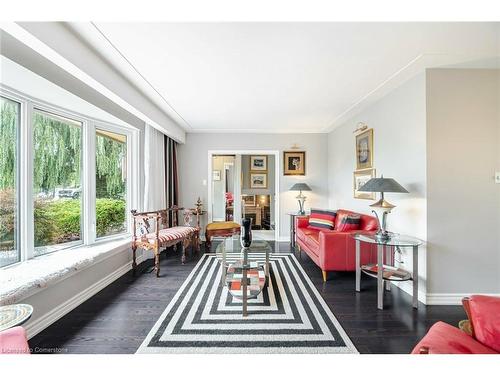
(389, 273)
(396, 240)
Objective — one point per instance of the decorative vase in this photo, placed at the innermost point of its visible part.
(246, 232)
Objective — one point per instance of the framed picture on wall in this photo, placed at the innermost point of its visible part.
(216, 175)
(258, 180)
(258, 163)
(294, 163)
(361, 178)
(364, 149)
(248, 200)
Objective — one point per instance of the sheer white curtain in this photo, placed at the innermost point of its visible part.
(154, 169)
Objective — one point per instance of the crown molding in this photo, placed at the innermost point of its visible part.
(417, 65)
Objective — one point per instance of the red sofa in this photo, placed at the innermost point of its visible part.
(332, 250)
(484, 336)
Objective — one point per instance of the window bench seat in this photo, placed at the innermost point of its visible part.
(24, 279)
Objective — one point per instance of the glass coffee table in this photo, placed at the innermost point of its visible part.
(245, 271)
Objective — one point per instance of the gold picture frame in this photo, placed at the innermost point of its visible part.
(364, 150)
(258, 163)
(258, 180)
(249, 200)
(294, 163)
(360, 178)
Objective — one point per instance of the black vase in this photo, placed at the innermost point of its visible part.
(246, 232)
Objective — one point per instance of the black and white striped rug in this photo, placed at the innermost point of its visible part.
(289, 316)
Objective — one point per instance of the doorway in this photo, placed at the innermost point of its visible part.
(245, 184)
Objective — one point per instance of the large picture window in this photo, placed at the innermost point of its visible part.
(57, 193)
(9, 246)
(111, 175)
(64, 178)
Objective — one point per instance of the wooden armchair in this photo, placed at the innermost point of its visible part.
(152, 231)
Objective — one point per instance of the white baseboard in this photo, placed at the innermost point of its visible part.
(36, 326)
(452, 298)
(407, 287)
(438, 298)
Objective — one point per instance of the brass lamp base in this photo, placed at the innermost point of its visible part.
(383, 204)
(384, 208)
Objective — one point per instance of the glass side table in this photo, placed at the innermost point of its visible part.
(294, 215)
(384, 273)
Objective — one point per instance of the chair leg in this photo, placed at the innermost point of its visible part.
(324, 276)
(208, 244)
(185, 244)
(157, 262)
(134, 263)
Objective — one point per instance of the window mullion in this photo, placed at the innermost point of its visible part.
(133, 180)
(26, 216)
(89, 190)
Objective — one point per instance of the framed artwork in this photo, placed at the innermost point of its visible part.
(216, 175)
(248, 200)
(258, 163)
(294, 163)
(364, 149)
(361, 178)
(258, 180)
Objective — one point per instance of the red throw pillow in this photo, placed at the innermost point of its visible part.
(348, 222)
(484, 314)
(324, 219)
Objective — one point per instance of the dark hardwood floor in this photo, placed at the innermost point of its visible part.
(117, 319)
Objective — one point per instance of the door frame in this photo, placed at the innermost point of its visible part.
(277, 163)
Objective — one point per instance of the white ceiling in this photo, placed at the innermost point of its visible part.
(279, 77)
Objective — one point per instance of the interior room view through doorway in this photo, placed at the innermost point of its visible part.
(245, 184)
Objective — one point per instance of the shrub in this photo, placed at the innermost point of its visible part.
(45, 226)
(110, 215)
(59, 221)
(7, 220)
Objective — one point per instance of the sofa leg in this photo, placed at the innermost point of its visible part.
(324, 276)
(300, 252)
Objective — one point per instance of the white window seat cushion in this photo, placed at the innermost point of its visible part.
(24, 279)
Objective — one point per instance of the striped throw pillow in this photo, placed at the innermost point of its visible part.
(349, 222)
(322, 219)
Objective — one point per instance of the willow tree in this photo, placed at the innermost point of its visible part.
(110, 168)
(57, 153)
(8, 134)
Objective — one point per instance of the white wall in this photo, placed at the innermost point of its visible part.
(398, 122)
(193, 166)
(438, 134)
(463, 148)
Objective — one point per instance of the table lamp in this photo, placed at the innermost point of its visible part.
(382, 208)
(300, 186)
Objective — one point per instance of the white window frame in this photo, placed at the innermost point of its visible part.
(88, 169)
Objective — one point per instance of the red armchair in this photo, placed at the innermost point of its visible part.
(484, 336)
(332, 250)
